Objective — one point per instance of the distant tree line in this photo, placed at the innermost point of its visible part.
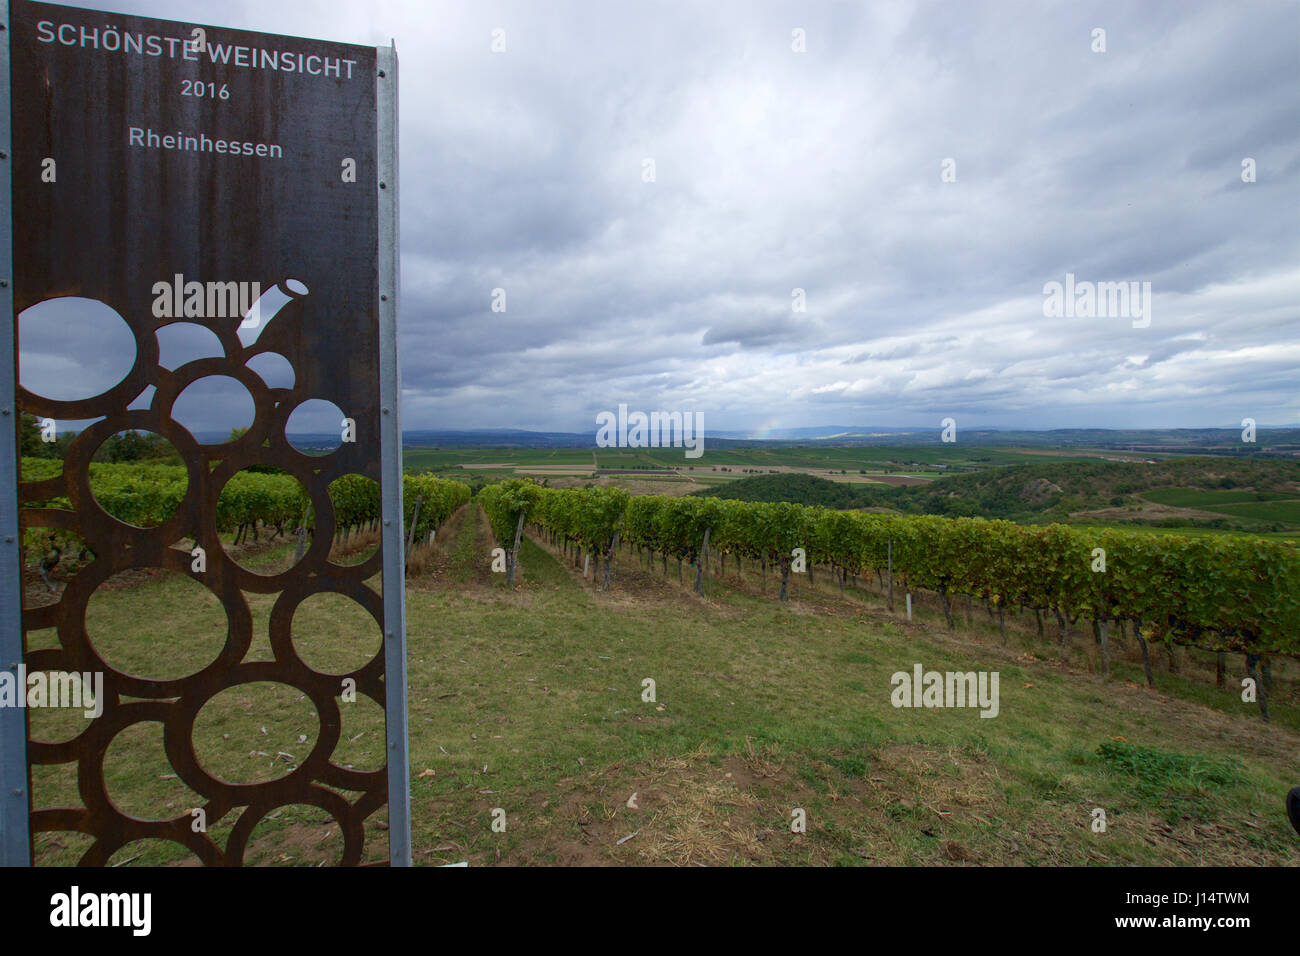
(126, 446)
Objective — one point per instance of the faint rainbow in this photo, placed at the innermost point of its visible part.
(765, 430)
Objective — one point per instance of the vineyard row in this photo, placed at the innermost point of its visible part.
(1225, 593)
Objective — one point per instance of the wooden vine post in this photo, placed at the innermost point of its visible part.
(699, 563)
(513, 560)
(410, 534)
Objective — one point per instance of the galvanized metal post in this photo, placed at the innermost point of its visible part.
(399, 769)
(15, 840)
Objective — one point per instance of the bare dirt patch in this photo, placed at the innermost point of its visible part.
(1147, 509)
(697, 810)
(668, 487)
(898, 479)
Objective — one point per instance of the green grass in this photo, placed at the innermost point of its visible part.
(1190, 531)
(1158, 769)
(1182, 782)
(1196, 498)
(1288, 511)
(1258, 505)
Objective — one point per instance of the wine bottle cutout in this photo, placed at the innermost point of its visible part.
(265, 308)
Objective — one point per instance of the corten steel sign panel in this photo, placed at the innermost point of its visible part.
(220, 156)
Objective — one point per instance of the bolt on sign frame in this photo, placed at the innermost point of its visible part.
(145, 163)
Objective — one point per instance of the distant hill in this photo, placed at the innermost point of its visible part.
(1232, 494)
(799, 488)
(1270, 442)
(1198, 441)
(496, 438)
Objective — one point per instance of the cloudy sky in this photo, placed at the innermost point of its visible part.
(774, 170)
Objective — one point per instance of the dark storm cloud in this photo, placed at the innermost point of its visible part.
(777, 170)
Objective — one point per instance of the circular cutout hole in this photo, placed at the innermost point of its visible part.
(155, 624)
(60, 704)
(183, 342)
(214, 409)
(138, 478)
(297, 834)
(255, 732)
(357, 533)
(333, 634)
(273, 368)
(71, 348)
(258, 515)
(140, 781)
(317, 427)
(362, 737)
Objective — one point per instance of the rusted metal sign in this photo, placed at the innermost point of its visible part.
(244, 182)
